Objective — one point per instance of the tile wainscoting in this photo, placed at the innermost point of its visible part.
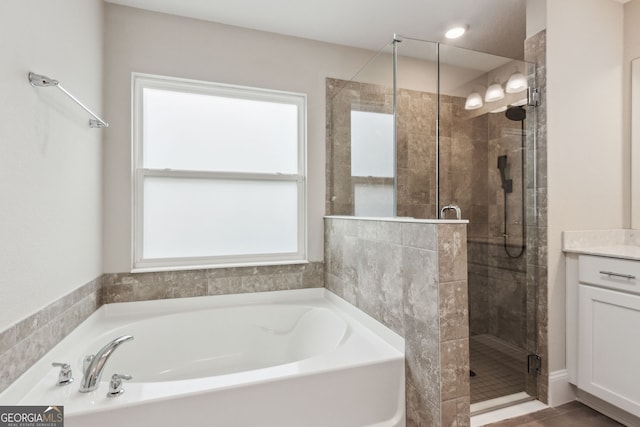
(22, 344)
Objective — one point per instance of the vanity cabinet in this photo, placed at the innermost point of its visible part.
(605, 356)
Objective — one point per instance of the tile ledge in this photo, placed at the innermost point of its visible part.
(400, 219)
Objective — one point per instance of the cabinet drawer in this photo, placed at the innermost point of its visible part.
(613, 273)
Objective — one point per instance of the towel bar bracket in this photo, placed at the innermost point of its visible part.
(38, 80)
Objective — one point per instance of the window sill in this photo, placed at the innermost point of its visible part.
(215, 266)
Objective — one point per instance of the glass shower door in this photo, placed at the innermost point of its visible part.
(423, 126)
(486, 148)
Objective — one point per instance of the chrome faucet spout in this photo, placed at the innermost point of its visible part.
(95, 364)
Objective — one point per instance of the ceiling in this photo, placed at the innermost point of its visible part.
(495, 26)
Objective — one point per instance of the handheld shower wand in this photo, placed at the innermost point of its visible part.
(507, 184)
(517, 114)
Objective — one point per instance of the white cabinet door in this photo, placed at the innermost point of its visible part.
(609, 346)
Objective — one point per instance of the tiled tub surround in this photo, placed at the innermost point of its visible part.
(125, 287)
(412, 276)
(22, 344)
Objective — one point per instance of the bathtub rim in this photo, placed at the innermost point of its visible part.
(176, 305)
(35, 378)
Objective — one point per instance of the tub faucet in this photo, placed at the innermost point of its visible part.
(94, 364)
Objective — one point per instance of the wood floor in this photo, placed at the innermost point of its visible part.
(572, 414)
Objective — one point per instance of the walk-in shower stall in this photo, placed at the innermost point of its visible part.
(427, 130)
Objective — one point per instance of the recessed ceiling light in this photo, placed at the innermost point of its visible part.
(455, 32)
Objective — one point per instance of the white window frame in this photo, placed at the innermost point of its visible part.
(141, 81)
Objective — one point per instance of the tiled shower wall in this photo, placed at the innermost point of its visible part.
(24, 343)
(411, 276)
(470, 144)
(343, 97)
(497, 293)
(415, 151)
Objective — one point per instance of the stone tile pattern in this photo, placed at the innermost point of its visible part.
(342, 97)
(416, 152)
(413, 278)
(469, 147)
(125, 287)
(537, 257)
(497, 292)
(415, 146)
(22, 344)
(502, 291)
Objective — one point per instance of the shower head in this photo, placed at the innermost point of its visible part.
(516, 113)
(40, 80)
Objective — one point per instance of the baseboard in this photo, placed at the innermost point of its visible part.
(560, 390)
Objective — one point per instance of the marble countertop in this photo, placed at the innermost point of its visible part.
(619, 251)
(619, 243)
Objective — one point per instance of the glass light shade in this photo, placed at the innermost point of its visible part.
(494, 93)
(520, 102)
(516, 83)
(474, 101)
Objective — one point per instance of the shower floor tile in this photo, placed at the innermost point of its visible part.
(499, 368)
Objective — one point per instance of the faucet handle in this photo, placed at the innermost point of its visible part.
(115, 385)
(65, 377)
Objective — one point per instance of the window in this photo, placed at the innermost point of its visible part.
(372, 163)
(219, 174)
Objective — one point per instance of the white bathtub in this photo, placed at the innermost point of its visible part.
(300, 358)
